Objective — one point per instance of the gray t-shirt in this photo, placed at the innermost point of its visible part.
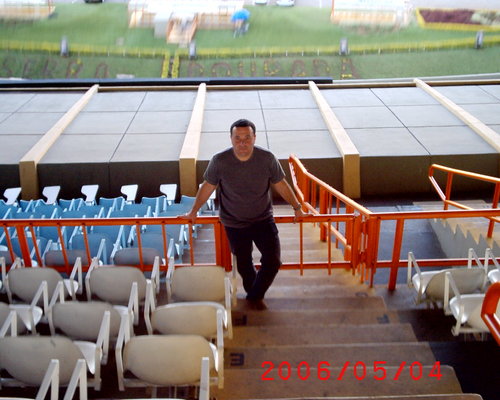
(243, 186)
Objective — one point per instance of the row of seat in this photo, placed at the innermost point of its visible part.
(115, 284)
(187, 328)
(114, 237)
(51, 194)
(459, 290)
(51, 198)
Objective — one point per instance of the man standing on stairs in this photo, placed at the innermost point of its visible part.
(244, 174)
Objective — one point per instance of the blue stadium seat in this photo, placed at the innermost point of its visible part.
(158, 204)
(100, 245)
(140, 210)
(70, 204)
(155, 240)
(49, 210)
(112, 203)
(92, 211)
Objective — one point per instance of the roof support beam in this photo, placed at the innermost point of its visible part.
(488, 134)
(351, 174)
(28, 166)
(191, 146)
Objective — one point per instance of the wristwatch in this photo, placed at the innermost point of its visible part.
(297, 208)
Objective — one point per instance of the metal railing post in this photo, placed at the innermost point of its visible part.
(396, 253)
(323, 210)
(23, 243)
(373, 229)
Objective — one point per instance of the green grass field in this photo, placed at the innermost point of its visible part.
(370, 66)
(270, 27)
(96, 24)
(52, 66)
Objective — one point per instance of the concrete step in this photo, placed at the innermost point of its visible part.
(313, 277)
(266, 382)
(456, 396)
(293, 291)
(300, 317)
(320, 303)
(262, 336)
(293, 256)
(392, 353)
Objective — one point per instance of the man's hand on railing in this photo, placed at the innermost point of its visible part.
(299, 214)
(191, 216)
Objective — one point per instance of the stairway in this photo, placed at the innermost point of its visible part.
(328, 336)
(337, 328)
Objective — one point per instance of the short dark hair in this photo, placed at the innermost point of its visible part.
(242, 123)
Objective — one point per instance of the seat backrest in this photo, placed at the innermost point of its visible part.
(186, 318)
(130, 192)
(157, 204)
(29, 214)
(173, 230)
(94, 241)
(187, 200)
(7, 211)
(153, 240)
(119, 214)
(51, 193)
(115, 203)
(82, 320)
(91, 211)
(16, 246)
(113, 284)
(198, 283)
(141, 210)
(56, 257)
(112, 231)
(49, 210)
(52, 233)
(166, 360)
(468, 280)
(90, 192)
(169, 190)
(75, 214)
(70, 204)
(177, 209)
(11, 195)
(130, 256)
(26, 358)
(24, 282)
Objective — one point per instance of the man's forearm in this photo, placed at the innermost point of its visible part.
(202, 196)
(286, 192)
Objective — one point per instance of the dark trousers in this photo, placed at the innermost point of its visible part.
(265, 236)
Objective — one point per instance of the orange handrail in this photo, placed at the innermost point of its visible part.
(488, 311)
(318, 197)
(446, 194)
(222, 250)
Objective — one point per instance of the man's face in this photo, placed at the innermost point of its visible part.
(243, 141)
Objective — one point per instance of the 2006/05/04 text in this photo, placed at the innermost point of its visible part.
(359, 370)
